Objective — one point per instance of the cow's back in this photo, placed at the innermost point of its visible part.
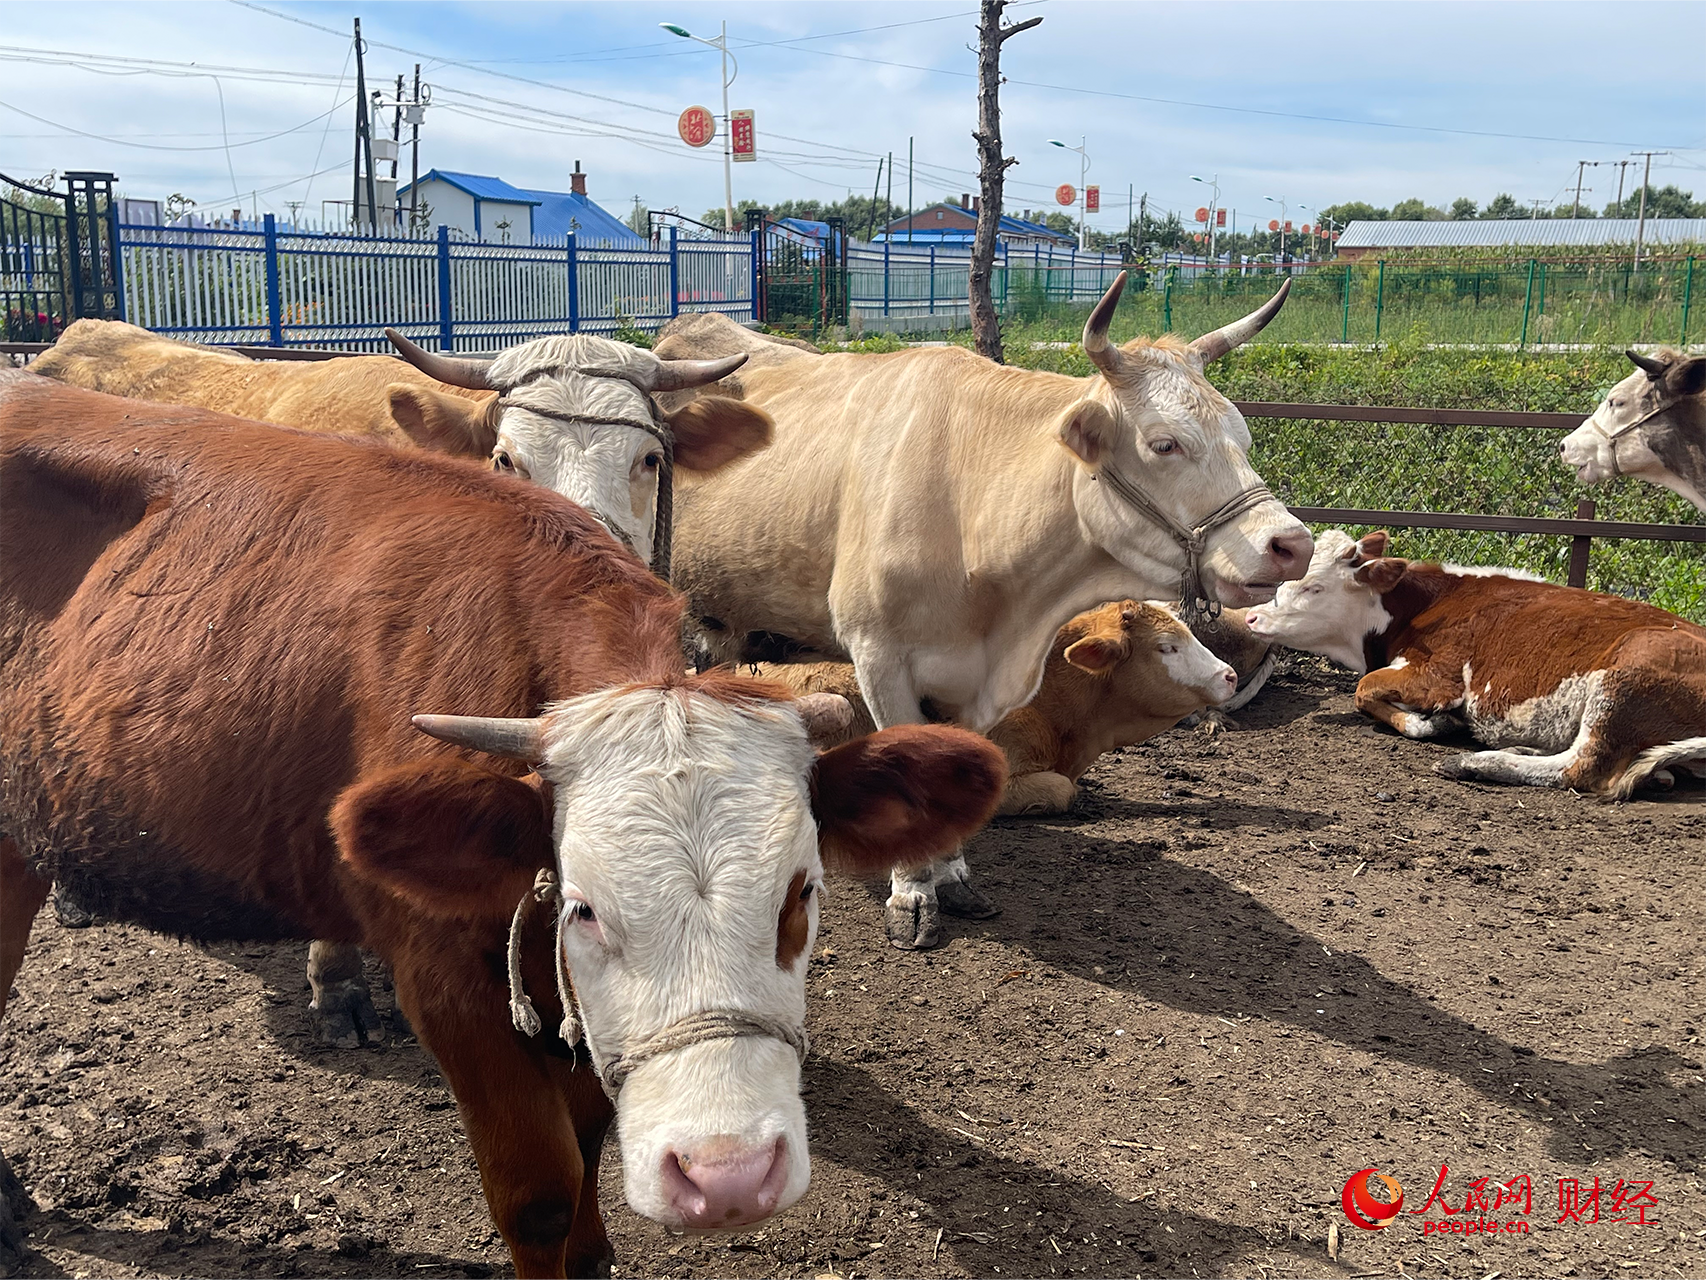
(208, 627)
(345, 395)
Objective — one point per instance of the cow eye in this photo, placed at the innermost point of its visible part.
(654, 461)
(1169, 648)
(501, 462)
(584, 913)
(807, 891)
(1164, 446)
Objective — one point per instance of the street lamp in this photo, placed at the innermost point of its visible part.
(1083, 169)
(721, 44)
(1281, 204)
(1213, 208)
(1320, 217)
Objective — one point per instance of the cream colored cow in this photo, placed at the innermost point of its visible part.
(936, 518)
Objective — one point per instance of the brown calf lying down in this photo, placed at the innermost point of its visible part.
(1576, 689)
(1116, 675)
(214, 638)
(356, 395)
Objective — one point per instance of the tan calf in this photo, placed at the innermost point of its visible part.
(1116, 675)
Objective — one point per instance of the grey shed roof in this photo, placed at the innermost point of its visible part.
(1476, 232)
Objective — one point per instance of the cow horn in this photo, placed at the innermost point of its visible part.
(1654, 369)
(458, 373)
(679, 375)
(1104, 354)
(827, 715)
(1211, 346)
(522, 739)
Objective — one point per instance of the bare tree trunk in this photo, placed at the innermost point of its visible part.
(992, 169)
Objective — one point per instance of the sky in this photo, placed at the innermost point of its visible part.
(230, 102)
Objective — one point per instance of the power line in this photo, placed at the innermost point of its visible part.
(149, 146)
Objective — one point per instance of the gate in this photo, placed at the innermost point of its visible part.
(59, 258)
(802, 284)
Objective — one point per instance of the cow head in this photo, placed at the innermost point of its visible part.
(690, 826)
(1155, 420)
(1152, 666)
(1337, 602)
(1651, 425)
(574, 415)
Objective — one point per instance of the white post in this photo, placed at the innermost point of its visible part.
(728, 142)
(1083, 193)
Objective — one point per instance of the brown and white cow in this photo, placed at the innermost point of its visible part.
(1117, 675)
(936, 518)
(571, 413)
(1652, 425)
(213, 637)
(1573, 688)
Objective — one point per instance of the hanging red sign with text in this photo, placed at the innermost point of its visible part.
(697, 126)
(1092, 199)
(1220, 217)
(742, 136)
(1066, 193)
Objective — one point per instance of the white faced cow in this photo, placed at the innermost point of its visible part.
(1652, 426)
(937, 518)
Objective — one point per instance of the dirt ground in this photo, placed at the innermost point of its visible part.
(1242, 970)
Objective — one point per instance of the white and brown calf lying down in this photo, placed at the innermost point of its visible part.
(1116, 675)
(1574, 688)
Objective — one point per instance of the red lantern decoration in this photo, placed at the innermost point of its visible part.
(1273, 224)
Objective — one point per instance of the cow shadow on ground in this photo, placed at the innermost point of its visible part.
(858, 1124)
(168, 1253)
(1186, 939)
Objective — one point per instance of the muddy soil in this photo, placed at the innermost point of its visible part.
(1243, 969)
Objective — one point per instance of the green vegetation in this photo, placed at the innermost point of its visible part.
(1508, 471)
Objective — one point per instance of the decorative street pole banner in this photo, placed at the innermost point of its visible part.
(1092, 199)
(1066, 193)
(741, 133)
(697, 126)
(1220, 217)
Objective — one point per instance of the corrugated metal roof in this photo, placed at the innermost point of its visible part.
(1476, 232)
(561, 212)
(478, 186)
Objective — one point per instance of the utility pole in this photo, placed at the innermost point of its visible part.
(1581, 166)
(415, 150)
(1142, 213)
(909, 190)
(396, 139)
(871, 222)
(992, 170)
(1641, 224)
(888, 200)
(1621, 166)
(363, 137)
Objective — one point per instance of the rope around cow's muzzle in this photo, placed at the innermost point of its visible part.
(1194, 600)
(695, 1028)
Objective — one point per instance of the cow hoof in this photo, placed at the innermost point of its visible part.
(913, 922)
(68, 912)
(344, 1015)
(958, 898)
(597, 1265)
(400, 1028)
(1458, 769)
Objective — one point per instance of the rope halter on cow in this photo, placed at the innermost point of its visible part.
(1194, 598)
(613, 1072)
(589, 357)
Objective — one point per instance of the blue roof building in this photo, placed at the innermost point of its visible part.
(493, 210)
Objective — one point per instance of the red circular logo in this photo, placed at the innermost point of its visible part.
(697, 126)
(1066, 193)
(1273, 224)
(1202, 215)
(1362, 1208)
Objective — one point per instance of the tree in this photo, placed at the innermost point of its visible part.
(1463, 207)
(640, 219)
(1354, 211)
(1504, 205)
(1662, 202)
(991, 171)
(1416, 209)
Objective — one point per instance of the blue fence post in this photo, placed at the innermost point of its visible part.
(674, 276)
(932, 279)
(574, 285)
(446, 331)
(275, 321)
(885, 275)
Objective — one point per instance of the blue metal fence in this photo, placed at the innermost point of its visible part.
(283, 286)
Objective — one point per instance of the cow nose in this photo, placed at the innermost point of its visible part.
(724, 1183)
(1290, 553)
(1231, 677)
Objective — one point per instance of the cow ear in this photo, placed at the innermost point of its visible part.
(1686, 377)
(903, 795)
(1373, 545)
(1098, 654)
(1090, 431)
(446, 835)
(1382, 575)
(443, 422)
(713, 431)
